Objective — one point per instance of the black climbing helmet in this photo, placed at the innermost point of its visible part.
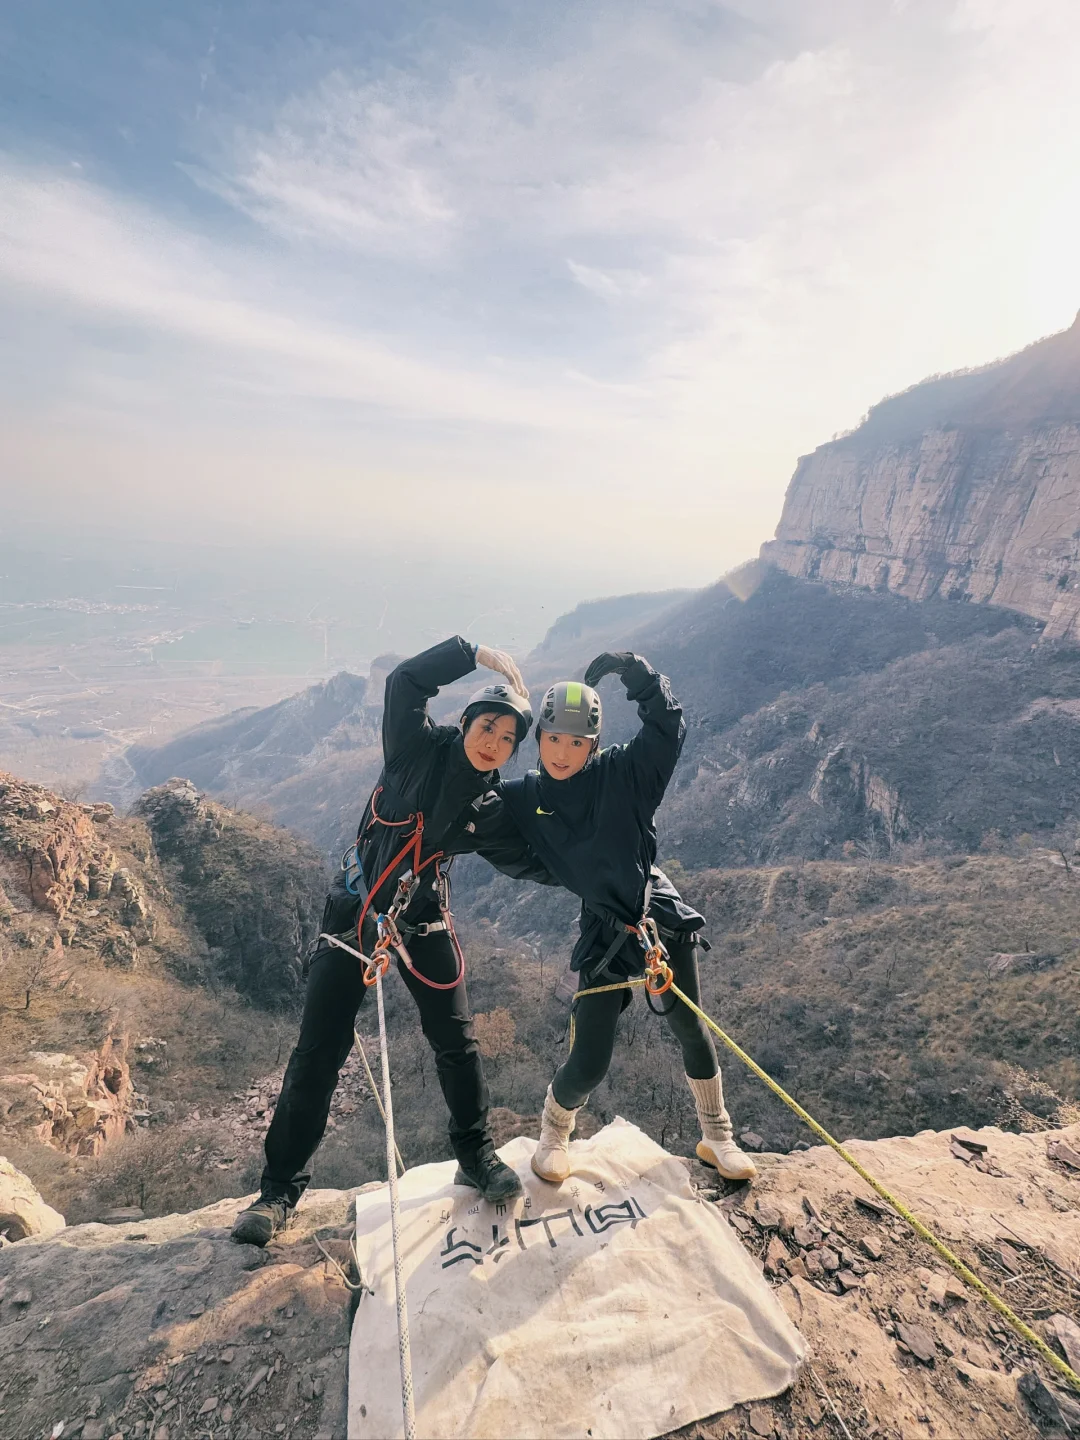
(503, 701)
(571, 708)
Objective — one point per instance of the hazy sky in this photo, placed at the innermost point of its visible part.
(577, 281)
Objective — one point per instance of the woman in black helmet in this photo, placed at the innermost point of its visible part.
(434, 798)
(588, 816)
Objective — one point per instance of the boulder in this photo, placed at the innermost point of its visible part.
(22, 1210)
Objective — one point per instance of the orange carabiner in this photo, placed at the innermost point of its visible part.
(658, 970)
(377, 965)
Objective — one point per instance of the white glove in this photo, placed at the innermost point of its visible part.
(500, 661)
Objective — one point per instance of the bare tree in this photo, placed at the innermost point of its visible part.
(867, 850)
(34, 971)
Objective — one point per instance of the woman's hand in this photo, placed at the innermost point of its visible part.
(609, 663)
(500, 661)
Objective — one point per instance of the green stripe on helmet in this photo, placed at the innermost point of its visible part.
(573, 694)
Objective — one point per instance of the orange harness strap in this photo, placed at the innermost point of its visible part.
(389, 935)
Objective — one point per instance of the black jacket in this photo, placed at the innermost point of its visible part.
(596, 832)
(425, 770)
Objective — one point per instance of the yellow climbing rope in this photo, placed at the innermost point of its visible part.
(598, 990)
(953, 1261)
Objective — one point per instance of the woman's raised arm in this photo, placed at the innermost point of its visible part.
(412, 684)
(654, 751)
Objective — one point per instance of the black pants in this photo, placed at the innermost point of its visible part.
(335, 992)
(596, 1018)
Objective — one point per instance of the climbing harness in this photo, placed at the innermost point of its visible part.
(657, 980)
(375, 967)
(968, 1276)
(408, 883)
(396, 935)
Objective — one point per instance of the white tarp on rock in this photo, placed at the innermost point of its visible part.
(613, 1305)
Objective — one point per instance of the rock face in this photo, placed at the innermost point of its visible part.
(165, 1328)
(52, 850)
(22, 1210)
(102, 932)
(75, 1105)
(966, 487)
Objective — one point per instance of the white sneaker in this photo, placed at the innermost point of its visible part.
(717, 1148)
(725, 1157)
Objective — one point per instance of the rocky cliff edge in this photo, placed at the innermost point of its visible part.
(163, 1328)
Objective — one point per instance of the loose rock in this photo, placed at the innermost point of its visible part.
(1067, 1334)
(761, 1422)
(870, 1247)
(918, 1340)
(1010, 1259)
(256, 1380)
(1060, 1151)
(776, 1256)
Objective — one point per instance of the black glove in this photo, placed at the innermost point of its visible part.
(609, 663)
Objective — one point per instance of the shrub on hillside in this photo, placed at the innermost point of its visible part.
(254, 892)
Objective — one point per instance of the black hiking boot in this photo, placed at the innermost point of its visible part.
(259, 1223)
(487, 1173)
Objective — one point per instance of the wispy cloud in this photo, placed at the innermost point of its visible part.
(70, 242)
(654, 252)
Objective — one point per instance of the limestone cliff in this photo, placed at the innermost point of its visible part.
(965, 487)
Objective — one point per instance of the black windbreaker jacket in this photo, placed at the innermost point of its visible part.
(426, 770)
(596, 831)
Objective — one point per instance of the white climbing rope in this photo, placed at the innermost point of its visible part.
(371, 966)
(404, 1352)
(375, 1090)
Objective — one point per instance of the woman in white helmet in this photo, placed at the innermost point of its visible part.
(588, 814)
